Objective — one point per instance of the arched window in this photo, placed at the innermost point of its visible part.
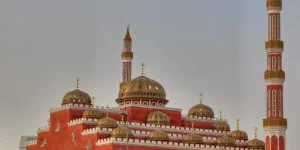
(268, 104)
(269, 63)
(145, 103)
(273, 63)
(274, 29)
(274, 102)
(136, 103)
(279, 103)
(153, 104)
(278, 27)
(127, 103)
(279, 63)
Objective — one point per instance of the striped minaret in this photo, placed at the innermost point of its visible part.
(275, 124)
(127, 57)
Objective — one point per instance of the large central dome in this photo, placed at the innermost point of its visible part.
(142, 87)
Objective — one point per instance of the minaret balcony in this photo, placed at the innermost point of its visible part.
(274, 4)
(274, 44)
(281, 122)
(274, 74)
(127, 54)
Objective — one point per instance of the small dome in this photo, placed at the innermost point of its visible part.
(157, 117)
(121, 132)
(201, 110)
(142, 87)
(158, 135)
(238, 134)
(92, 113)
(107, 123)
(222, 125)
(76, 97)
(225, 141)
(256, 144)
(192, 138)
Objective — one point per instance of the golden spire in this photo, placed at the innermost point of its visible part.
(255, 132)
(221, 115)
(122, 119)
(201, 98)
(77, 83)
(107, 108)
(237, 124)
(93, 102)
(127, 36)
(193, 128)
(142, 64)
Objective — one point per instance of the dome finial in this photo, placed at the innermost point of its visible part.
(77, 83)
(107, 108)
(221, 115)
(255, 132)
(142, 64)
(237, 124)
(201, 98)
(93, 102)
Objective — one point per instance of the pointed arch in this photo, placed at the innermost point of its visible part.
(281, 142)
(274, 142)
(268, 143)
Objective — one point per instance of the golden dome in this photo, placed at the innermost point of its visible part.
(121, 132)
(142, 87)
(76, 97)
(238, 134)
(225, 141)
(192, 138)
(221, 125)
(256, 143)
(158, 135)
(107, 122)
(201, 110)
(157, 117)
(92, 113)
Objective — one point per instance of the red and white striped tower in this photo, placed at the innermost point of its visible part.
(127, 57)
(275, 124)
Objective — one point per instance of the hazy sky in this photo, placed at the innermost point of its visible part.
(210, 46)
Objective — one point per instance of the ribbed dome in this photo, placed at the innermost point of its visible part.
(256, 143)
(107, 123)
(92, 113)
(158, 135)
(222, 125)
(192, 138)
(157, 117)
(238, 134)
(121, 132)
(76, 97)
(142, 87)
(225, 141)
(201, 110)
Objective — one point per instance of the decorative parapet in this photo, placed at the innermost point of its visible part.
(275, 122)
(31, 143)
(169, 144)
(43, 129)
(196, 118)
(274, 4)
(69, 106)
(149, 106)
(82, 120)
(274, 44)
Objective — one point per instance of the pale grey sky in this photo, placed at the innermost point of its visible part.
(210, 46)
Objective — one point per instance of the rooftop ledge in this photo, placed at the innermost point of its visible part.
(170, 144)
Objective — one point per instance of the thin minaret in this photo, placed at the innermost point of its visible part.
(275, 124)
(127, 56)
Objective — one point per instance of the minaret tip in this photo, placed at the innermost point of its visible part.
(237, 124)
(221, 115)
(127, 35)
(255, 132)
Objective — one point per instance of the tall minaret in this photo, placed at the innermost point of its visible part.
(127, 57)
(275, 124)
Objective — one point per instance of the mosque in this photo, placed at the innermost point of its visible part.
(142, 119)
